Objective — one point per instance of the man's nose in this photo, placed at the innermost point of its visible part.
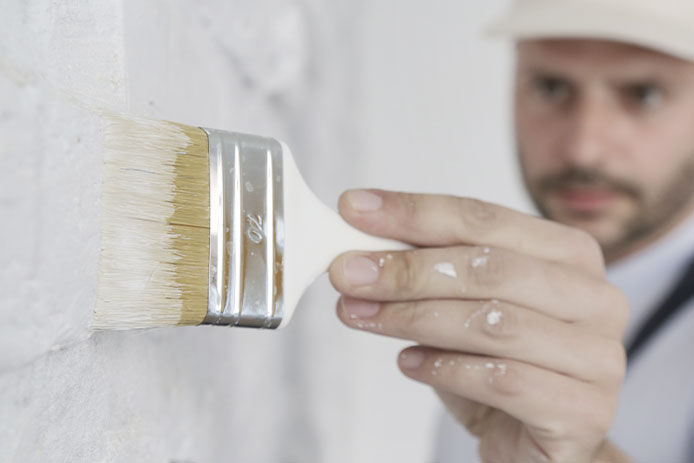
(589, 132)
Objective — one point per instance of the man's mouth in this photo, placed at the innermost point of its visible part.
(586, 200)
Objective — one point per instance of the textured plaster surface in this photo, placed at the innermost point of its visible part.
(58, 63)
(313, 392)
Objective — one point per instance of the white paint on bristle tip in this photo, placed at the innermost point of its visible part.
(136, 241)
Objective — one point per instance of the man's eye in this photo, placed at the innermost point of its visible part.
(552, 88)
(644, 95)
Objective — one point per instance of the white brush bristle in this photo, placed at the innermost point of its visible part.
(155, 225)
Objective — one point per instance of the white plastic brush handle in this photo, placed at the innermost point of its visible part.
(314, 236)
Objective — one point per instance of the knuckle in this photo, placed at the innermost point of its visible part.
(620, 307)
(476, 216)
(585, 250)
(497, 321)
(410, 315)
(406, 275)
(580, 248)
(613, 302)
(488, 267)
(614, 361)
(554, 429)
(504, 378)
(589, 412)
(596, 416)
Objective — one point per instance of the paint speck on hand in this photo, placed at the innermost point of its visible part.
(479, 261)
(446, 268)
(493, 317)
(438, 362)
(499, 371)
(381, 262)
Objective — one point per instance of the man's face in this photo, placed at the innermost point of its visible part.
(606, 137)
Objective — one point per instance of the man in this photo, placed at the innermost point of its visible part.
(518, 329)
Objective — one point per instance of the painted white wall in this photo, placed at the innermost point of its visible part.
(392, 94)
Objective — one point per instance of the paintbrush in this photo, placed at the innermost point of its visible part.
(202, 226)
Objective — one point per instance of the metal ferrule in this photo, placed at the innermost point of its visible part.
(246, 230)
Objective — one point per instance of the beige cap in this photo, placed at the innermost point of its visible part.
(663, 25)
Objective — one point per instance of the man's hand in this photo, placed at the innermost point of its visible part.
(517, 329)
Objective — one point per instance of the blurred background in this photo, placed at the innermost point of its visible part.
(396, 94)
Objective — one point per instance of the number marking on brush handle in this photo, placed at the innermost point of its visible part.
(255, 228)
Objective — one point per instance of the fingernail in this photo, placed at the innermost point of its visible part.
(364, 201)
(411, 359)
(356, 308)
(360, 270)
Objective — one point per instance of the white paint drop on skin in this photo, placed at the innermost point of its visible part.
(438, 362)
(479, 261)
(493, 314)
(489, 365)
(499, 370)
(389, 256)
(493, 317)
(381, 262)
(446, 268)
(363, 325)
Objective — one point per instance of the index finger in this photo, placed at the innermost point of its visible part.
(439, 220)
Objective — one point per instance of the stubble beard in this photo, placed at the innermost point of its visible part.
(653, 214)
